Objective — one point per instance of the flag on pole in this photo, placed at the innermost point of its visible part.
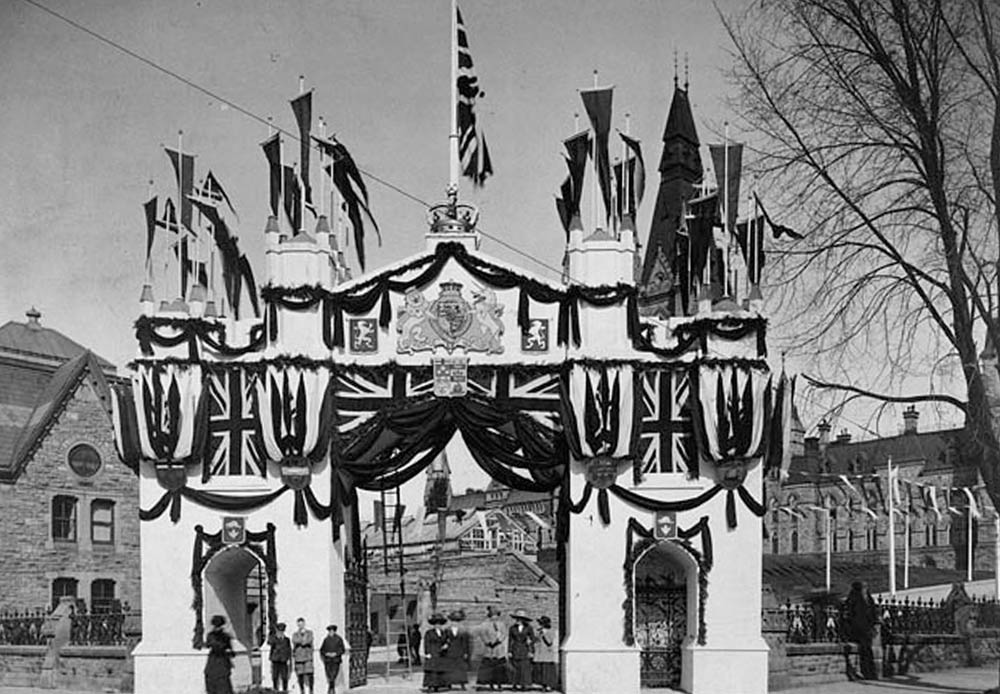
(597, 103)
(636, 171)
(149, 207)
(169, 219)
(703, 220)
(778, 230)
(750, 235)
(272, 150)
(347, 179)
(973, 508)
(302, 108)
(779, 452)
(236, 271)
(293, 198)
(473, 154)
(729, 194)
(577, 151)
(212, 189)
(184, 170)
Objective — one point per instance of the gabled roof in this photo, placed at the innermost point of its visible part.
(32, 339)
(934, 449)
(50, 404)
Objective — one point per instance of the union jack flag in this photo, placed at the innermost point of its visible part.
(234, 444)
(666, 434)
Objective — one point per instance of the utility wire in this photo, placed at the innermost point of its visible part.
(260, 119)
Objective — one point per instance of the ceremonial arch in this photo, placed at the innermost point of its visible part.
(252, 440)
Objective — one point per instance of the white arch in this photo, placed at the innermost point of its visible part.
(691, 568)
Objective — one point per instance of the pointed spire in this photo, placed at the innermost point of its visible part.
(675, 70)
(686, 75)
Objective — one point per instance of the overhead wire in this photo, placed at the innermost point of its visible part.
(260, 119)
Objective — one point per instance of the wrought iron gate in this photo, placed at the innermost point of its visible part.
(356, 598)
(660, 628)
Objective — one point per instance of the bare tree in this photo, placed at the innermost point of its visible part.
(879, 123)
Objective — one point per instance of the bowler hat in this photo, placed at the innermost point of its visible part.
(436, 618)
(545, 622)
(456, 615)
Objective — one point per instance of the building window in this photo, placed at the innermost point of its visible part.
(774, 541)
(930, 533)
(64, 518)
(850, 539)
(871, 537)
(102, 595)
(84, 460)
(102, 522)
(62, 587)
(795, 541)
(834, 545)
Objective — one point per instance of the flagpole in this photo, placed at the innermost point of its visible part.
(322, 189)
(453, 91)
(303, 174)
(828, 551)
(892, 532)
(996, 556)
(593, 181)
(180, 227)
(968, 539)
(906, 551)
(725, 218)
(149, 255)
(628, 183)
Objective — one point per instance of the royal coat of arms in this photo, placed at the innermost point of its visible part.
(450, 321)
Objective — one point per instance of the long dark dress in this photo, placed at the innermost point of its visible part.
(861, 619)
(220, 662)
(521, 646)
(435, 653)
(456, 663)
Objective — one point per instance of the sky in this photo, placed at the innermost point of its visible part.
(84, 124)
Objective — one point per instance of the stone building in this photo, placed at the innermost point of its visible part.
(68, 507)
(850, 478)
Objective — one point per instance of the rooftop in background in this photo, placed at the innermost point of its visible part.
(31, 341)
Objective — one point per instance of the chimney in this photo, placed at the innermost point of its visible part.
(824, 434)
(33, 315)
(843, 437)
(910, 417)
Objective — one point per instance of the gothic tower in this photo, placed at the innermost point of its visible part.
(680, 172)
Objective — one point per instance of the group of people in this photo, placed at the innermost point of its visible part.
(295, 653)
(520, 655)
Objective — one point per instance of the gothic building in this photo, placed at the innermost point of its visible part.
(68, 508)
(849, 478)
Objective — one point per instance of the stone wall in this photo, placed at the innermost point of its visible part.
(26, 514)
(78, 668)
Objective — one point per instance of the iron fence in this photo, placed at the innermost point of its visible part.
(102, 627)
(23, 628)
(819, 623)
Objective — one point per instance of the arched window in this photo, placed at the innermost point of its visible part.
(850, 539)
(795, 541)
(64, 518)
(102, 522)
(930, 531)
(871, 537)
(834, 545)
(62, 587)
(102, 595)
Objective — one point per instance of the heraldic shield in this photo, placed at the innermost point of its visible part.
(450, 321)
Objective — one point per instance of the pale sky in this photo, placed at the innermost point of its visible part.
(83, 124)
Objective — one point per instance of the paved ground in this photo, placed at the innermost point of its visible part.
(960, 681)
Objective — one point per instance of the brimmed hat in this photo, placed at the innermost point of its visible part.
(218, 620)
(436, 618)
(331, 626)
(520, 614)
(280, 626)
(456, 615)
(544, 621)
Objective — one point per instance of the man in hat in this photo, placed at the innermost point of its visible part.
(546, 655)
(302, 655)
(281, 653)
(459, 650)
(493, 635)
(332, 651)
(435, 652)
(521, 646)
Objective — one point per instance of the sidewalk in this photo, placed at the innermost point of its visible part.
(959, 681)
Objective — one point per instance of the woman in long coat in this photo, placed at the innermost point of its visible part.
(459, 650)
(546, 655)
(220, 658)
(435, 652)
(493, 666)
(521, 646)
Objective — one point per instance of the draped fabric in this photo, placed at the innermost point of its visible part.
(732, 411)
(126, 427)
(171, 412)
(294, 412)
(600, 408)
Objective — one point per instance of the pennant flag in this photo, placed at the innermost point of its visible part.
(185, 262)
(931, 492)
(473, 154)
(272, 150)
(597, 102)
(973, 508)
(293, 199)
(302, 108)
(894, 496)
(730, 195)
(213, 190)
(236, 271)
(637, 173)
(704, 217)
(750, 234)
(169, 219)
(778, 230)
(184, 170)
(780, 444)
(151, 223)
(347, 179)
(577, 151)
